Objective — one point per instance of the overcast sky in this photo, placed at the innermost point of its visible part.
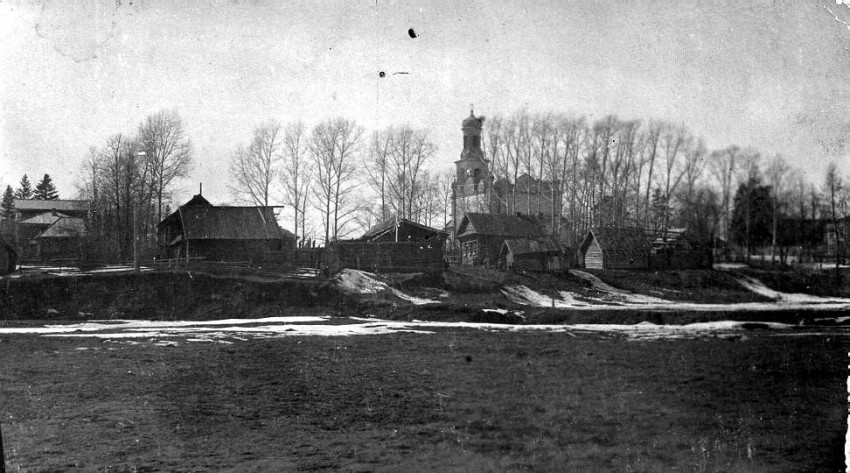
(771, 75)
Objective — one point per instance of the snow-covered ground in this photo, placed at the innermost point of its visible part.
(611, 298)
(354, 281)
(229, 331)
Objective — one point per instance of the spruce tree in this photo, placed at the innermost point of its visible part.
(8, 204)
(45, 190)
(25, 190)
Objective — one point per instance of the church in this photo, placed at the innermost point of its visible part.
(476, 190)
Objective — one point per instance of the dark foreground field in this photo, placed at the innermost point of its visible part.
(456, 400)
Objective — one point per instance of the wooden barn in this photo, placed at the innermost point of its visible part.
(200, 229)
(402, 230)
(481, 235)
(531, 254)
(615, 248)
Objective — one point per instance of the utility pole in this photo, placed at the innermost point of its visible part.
(135, 238)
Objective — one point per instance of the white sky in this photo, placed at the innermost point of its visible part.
(772, 75)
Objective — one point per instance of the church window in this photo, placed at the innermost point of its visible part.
(476, 141)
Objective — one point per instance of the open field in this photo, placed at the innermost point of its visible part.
(293, 381)
(454, 400)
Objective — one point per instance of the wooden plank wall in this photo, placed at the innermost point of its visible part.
(387, 257)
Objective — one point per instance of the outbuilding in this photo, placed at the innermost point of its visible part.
(531, 254)
(615, 248)
(402, 230)
(481, 235)
(200, 229)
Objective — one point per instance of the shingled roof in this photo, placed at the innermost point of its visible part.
(229, 223)
(46, 218)
(618, 240)
(65, 227)
(382, 228)
(519, 226)
(47, 205)
(529, 246)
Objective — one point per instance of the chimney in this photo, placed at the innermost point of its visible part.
(201, 188)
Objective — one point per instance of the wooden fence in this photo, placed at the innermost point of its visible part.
(386, 257)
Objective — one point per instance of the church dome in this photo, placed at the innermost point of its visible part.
(471, 121)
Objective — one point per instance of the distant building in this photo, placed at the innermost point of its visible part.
(28, 208)
(48, 229)
(481, 235)
(615, 248)
(476, 190)
(200, 229)
(402, 230)
(532, 254)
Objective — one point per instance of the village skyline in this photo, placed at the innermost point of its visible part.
(746, 76)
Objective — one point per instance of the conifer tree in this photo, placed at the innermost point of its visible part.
(8, 204)
(45, 190)
(25, 190)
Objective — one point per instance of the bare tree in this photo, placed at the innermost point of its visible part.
(834, 189)
(255, 169)
(674, 144)
(296, 175)
(777, 174)
(651, 139)
(334, 145)
(377, 169)
(168, 153)
(410, 150)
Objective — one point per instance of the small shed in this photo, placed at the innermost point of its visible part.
(63, 239)
(402, 230)
(200, 229)
(481, 235)
(527, 254)
(615, 248)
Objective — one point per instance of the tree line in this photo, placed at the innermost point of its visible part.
(332, 171)
(657, 175)
(44, 190)
(337, 179)
(128, 181)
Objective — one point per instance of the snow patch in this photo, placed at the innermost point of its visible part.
(618, 295)
(355, 281)
(758, 287)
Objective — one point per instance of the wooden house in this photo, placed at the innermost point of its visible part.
(402, 230)
(200, 229)
(481, 235)
(531, 254)
(63, 239)
(615, 248)
(28, 208)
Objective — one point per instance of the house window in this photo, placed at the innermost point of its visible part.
(470, 250)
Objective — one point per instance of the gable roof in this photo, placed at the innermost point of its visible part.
(520, 226)
(65, 227)
(47, 205)
(389, 225)
(528, 246)
(46, 218)
(229, 223)
(618, 240)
